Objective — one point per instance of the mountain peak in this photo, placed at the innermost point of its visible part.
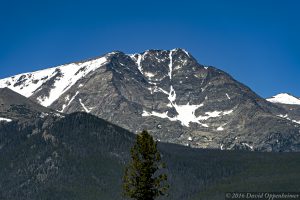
(159, 51)
(166, 92)
(181, 50)
(284, 98)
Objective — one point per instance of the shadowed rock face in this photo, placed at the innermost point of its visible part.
(170, 94)
(17, 107)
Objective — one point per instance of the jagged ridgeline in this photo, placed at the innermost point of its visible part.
(80, 156)
(170, 94)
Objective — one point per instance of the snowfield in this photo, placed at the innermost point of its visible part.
(63, 77)
(284, 98)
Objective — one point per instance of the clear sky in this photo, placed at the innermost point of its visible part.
(256, 41)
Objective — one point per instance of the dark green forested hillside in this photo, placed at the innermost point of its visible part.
(82, 157)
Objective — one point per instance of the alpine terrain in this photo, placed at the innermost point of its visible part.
(81, 157)
(54, 144)
(170, 94)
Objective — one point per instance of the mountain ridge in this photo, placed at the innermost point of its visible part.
(169, 93)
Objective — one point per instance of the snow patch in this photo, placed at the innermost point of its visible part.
(227, 112)
(139, 60)
(228, 97)
(222, 146)
(149, 74)
(220, 128)
(67, 98)
(185, 113)
(84, 107)
(247, 145)
(158, 89)
(187, 53)
(157, 114)
(170, 64)
(5, 119)
(284, 98)
(214, 114)
(172, 94)
(288, 118)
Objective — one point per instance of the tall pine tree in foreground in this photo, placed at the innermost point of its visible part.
(143, 178)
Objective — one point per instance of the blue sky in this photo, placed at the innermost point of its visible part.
(257, 42)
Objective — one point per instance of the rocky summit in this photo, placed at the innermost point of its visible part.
(168, 93)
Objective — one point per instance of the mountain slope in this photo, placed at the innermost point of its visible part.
(168, 93)
(82, 157)
(17, 107)
(45, 86)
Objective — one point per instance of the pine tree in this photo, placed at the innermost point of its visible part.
(143, 178)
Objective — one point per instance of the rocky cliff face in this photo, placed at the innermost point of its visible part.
(168, 93)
